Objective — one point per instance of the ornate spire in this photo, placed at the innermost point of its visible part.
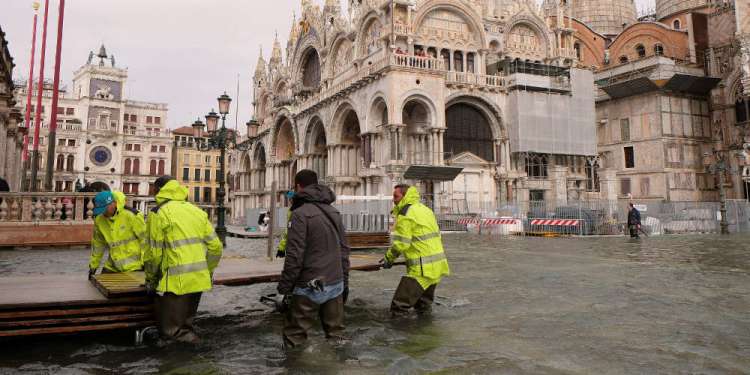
(260, 66)
(276, 52)
(294, 33)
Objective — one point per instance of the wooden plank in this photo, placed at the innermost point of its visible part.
(76, 329)
(74, 312)
(76, 321)
(120, 284)
(29, 291)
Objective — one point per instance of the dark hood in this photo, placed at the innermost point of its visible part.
(314, 194)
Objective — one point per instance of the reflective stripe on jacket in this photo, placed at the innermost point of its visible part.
(183, 250)
(284, 234)
(416, 235)
(122, 235)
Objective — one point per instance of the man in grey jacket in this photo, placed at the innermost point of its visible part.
(315, 279)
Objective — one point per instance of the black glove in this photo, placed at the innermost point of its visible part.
(285, 304)
(280, 253)
(91, 273)
(345, 294)
(385, 264)
(150, 289)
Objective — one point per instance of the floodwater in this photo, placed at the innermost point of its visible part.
(667, 305)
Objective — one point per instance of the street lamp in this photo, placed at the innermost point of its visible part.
(220, 139)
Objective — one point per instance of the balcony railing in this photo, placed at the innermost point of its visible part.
(474, 79)
(46, 207)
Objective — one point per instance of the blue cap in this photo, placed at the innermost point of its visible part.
(101, 201)
(290, 194)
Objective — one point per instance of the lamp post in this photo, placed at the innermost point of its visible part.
(219, 139)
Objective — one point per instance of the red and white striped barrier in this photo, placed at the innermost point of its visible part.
(486, 222)
(500, 222)
(556, 222)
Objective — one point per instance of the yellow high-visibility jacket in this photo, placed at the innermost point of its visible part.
(122, 235)
(183, 250)
(416, 235)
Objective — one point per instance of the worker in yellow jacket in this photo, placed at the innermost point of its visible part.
(119, 231)
(182, 253)
(416, 236)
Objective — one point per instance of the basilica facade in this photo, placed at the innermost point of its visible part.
(492, 87)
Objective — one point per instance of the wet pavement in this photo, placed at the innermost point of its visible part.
(666, 305)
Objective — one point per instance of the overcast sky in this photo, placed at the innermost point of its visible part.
(181, 52)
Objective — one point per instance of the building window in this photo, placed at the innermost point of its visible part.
(137, 147)
(536, 195)
(60, 165)
(136, 167)
(152, 168)
(196, 194)
(640, 50)
(629, 157)
(133, 118)
(60, 110)
(197, 174)
(61, 142)
(645, 187)
(154, 148)
(218, 160)
(207, 194)
(577, 48)
(592, 175)
(71, 142)
(151, 189)
(658, 50)
(625, 129)
(185, 174)
(127, 166)
(70, 111)
(623, 59)
(208, 160)
(536, 166)
(58, 186)
(129, 147)
(149, 120)
(161, 167)
(162, 148)
(69, 163)
(157, 120)
(742, 109)
(207, 175)
(676, 24)
(624, 186)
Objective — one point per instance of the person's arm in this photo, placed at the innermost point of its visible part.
(295, 254)
(98, 247)
(139, 229)
(401, 238)
(213, 245)
(154, 250)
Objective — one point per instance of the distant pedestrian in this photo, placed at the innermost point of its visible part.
(416, 236)
(634, 221)
(315, 279)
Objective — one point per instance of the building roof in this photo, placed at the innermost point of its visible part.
(188, 131)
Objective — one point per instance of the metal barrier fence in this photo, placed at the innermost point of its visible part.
(600, 217)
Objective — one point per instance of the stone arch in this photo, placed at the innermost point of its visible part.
(316, 147)
(469, 128)
(341, 56)
(369, 35)
(418, 95)
(284, 141)
(484, 104)
(378, 114)
(468, 14)
(533, 24)
(310, 69)
(339, 118)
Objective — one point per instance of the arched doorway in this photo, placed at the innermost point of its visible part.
(284, 154)
(316, 149)
(468, 130)
(258, 170)
(417, 117)
(311, 70)
(377, 122)
(344, 158)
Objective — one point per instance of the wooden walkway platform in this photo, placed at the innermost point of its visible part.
(356, 240)
(58, 304)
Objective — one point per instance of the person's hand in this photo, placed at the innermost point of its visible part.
(280, 254)
(91, 274)
(385, 264)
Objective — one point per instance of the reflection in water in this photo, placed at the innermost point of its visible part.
(514, 305)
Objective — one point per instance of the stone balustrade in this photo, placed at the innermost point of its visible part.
(46, 219)
(474, 79)
(46, 207)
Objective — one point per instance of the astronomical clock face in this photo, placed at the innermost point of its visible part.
(100, 156)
